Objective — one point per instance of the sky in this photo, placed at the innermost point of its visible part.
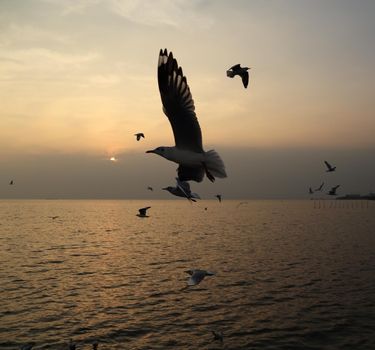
(78, 79)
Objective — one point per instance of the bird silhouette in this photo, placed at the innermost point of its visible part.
(139, 135)
(142, 212)
(240, 71)
(333, 190)
(330, 168)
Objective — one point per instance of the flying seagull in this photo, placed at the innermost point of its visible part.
(241, 71)
(142, 212)
(178, 105)
(196, 276)
(320, 187)
(218, 196)
(150, 188)
(11, 182)
(332, 191)
(329, 167)
(310, 191)
(182, 189)
(139, 135)
(218, 336)
(53, 217)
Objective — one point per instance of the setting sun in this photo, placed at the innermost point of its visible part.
(113, 159)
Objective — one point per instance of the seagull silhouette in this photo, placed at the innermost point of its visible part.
(11, 182)
(330, 168)
(197, 276)
(240, 71)
(150, 188)
(332, 191)
(142, 212)
(139, 135)
(218, 196)
(182, 189)
(178, 105)
(320, 187)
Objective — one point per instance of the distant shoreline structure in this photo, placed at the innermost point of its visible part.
(370, 196)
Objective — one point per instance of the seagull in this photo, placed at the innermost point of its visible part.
(218, 336)
(310, 191)
(332, 191)
(196, 276)
(95, 345)
(178, 105)
(150, 188)
(241, 71)
(139, 135)
(142, 212)
(182, 189)
(320, 187)
(53, 217)
(218, 196)
(330, 167)
(11, 182)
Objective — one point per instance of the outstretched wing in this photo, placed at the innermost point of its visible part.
(245, 79)
(178, 104)
(236, 66)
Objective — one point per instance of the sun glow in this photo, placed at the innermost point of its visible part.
(113, 159)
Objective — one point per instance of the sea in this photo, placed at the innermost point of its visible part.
(288, 274)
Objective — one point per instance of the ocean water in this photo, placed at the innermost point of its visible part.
(288, 274)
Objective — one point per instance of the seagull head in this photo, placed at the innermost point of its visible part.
(165, 152)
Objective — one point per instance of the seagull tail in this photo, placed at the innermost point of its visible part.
(214, 164)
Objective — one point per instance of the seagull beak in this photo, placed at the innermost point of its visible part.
(151, 151)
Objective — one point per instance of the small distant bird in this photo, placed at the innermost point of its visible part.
(142, 212)
(26, 347)
(178, 105)
(54, 217)
(218, 196)
(320, 187)
(196, 276)
(182, 189)
(330, 168)
(240, 71)
(139, 135)
(332, 192)
(310, 191)
(150, 188)
(72, 346)
(218, 336)
(95, 345)
(11, 182)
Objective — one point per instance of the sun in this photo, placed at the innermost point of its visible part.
(113, 159)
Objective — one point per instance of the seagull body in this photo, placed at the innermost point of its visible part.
(311, 191)
(240, 71)
(11, 182)
(196, 276)
(330, 168)
(320, 187)
(150, 188)
(182, 189)
(142, 212)
(178, 106)
(139, 135)
(218, 196)
(54, 217)
(332, 191)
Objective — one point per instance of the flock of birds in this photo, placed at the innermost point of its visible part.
(193, 162)
(332, 191)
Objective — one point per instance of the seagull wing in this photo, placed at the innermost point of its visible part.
(178, 104)
(186, 173)
(245, 79)
(236, 67)
(142, 211)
